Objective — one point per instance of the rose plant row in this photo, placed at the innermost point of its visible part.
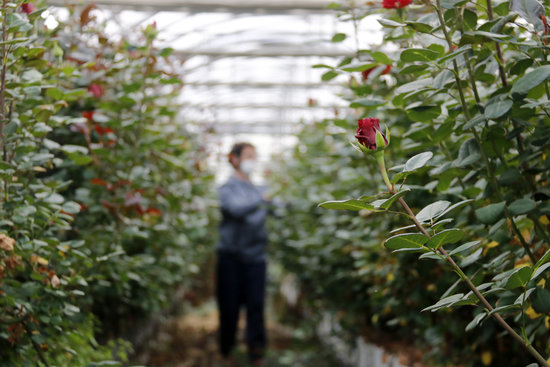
(466, 101)
(104, 197)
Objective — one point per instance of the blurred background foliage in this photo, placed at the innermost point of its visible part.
(107, 204)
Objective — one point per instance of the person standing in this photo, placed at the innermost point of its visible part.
(241, 256)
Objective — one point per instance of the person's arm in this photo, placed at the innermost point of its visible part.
(238, 206)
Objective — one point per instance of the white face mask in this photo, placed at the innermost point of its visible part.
(248, 166)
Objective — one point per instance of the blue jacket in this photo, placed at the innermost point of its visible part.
(242, 230)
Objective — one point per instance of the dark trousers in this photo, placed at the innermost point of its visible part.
(241, 284)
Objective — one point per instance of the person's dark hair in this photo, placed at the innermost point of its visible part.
(238, 149)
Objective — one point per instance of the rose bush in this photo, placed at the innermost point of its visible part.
(469, 148)
(105, 199)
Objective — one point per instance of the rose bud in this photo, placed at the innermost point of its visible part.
(368, 134)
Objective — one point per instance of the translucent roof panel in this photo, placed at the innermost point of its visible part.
(247, 63)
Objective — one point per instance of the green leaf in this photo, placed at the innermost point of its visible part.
(468, 153)
(31, 76)
(530, 10)
(445, 302)
(418, 161)
(521, 206)
(470, 19)
(539, 271)
(431, 211)
(450, 4)
(490, 213)
(444, 237)
(329, 75)
(519, 277)
(415, 86)
(322, 66)
(532, 79)
(367, 102)
(541, 300)
(406, 241)
(543, 259)
(418, 54)
(359, 67)
(423, 113)
(420, 27)
(11, 127)
(498, 109)
(390, 23)
(454, 55)
(54, 93)
(477, 319)
(74, 149)
(381, 57)
(411, 69)
(463, 248)
(338, 37)
(351, 204)
(460, 204)
(71, 207)
(165, 52)
(25, 211)
(474, 121)
(388, 202)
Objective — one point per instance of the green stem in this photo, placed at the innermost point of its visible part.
(4, 56)
(382, 165)
(500, 59)
(35, 345)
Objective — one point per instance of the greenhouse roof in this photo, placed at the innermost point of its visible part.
(248, 63)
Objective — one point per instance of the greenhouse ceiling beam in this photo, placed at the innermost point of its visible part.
(258, 128)
(248, 6)
(260, 84)
(285, 52)
(259, 106)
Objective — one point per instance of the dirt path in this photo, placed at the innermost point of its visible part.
(191, 341)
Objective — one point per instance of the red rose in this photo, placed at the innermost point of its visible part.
(153, 211)
(366, 132)
(394, 4)
(96, 89)
(27, 8)
(102, 130)
(365, 74)
(88, 115)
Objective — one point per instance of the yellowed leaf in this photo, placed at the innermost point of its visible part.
(532, 314)
(486, 358)
(55, 281)
(6, 243)
(35, 259)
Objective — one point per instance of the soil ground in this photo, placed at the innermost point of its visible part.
(191, 341)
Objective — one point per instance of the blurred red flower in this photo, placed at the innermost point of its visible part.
(96, 89)
(89, 115)
(365, 74)
(395, 4)
(102, 130)
(27, 8)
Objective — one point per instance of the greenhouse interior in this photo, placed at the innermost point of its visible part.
(276, 183)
